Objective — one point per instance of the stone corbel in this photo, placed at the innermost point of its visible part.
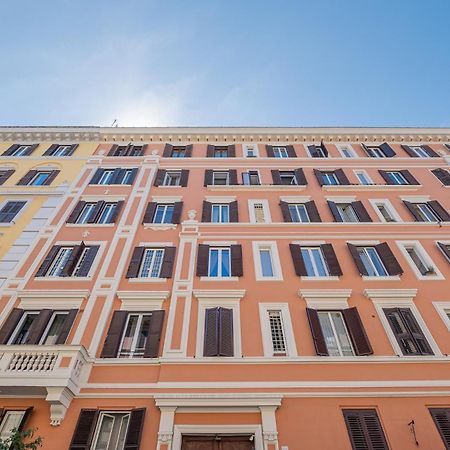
(165, 433)
(269, 425)
(59, 399)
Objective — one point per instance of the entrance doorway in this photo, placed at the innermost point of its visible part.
(218, 442)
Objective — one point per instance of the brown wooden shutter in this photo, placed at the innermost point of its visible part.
(27, 178)
(413, 211)
(276, 178)
(442, 175)
(73, 260)
(67, 326)
(84, 430)
(312, 211)
(184, 177)
(10, 150)
(116, 212)
(409, 151)
(86, 265)
(113, 150)
(387, 150)
(409, 178)
(234, 212)
(211, 338)
(297, 259)
(73, 147)
(233, 177)
(117, 176)
(334, 269)
(177, 209)
(210, 151)
(135, 263)
(206, 211)
(445, 250)
(134, 172)
(38, 326)
(388, 258)
(50, 150)
(385, 176)
(114, 336)
(342, 178)
(316, 332)
(208, 177)
(202, 260)
(51, 177)
(97, 175)
(188, 150)
(31, 149)
(154, 336)
(334, 211)
(359, 265)
(159, 179)
(226, 338)
(134, 431)
(232, 151)
(237, 268)
(324, 148)
(319, 177)
(441, 417)
(285, 211)
(24, 419)
(430, 151)
(439, 210)
(291, 151)
(96, 212)
(361, 212)
(269, 151)
(167, 262)
(48, 261)
(313, 151)
(5, 174)
(149, 212)
(167, 153)
(364, 429)
(300, 177)
(10, 325)
(355, 327)
(76, 212)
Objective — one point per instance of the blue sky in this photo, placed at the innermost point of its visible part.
(225, 62)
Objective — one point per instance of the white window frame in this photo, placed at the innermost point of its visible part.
(246, 172)
(99, 422)
(419, 153)
(341, 213)
(371, 262)
(328, 175)
(5, 434)
(291, 348)
(174, 174)
(318, 148)
(165, 206)
(128, 174)
(296, 205)
(265, 207)
(348, 147)
(219, 262)
(61, 149)
(282, 174)
(19, 326)
(247, 147)
(221, 207)
(281, 151)
(442, 309)
(364, 174)
(103, 217)
(420, 205)
(50, 323)
(152, 263)
(140, 315)
(272, 247)
(105, 178)
(389, 208)
(19, 151)
(335, 333)
(310, 247)
(395, 176)
(216, 172)
(374, 151)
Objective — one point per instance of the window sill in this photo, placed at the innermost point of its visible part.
(372, 187)
(160, 226)
(83, 225)
(386, 278)
(105, 185)
(147, 280)
(169, 187)
(89, 278)
(257, 187)
(7, 224)
(261, 278)
(219, 278)
(329, 278)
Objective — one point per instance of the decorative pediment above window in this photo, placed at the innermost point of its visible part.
(142, 300)
(43, 298)
(326, 298)
(391, 294)
(219, 295)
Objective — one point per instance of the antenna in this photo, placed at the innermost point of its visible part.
(115, 123)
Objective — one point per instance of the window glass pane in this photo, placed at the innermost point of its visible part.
(385, 213)
(10, 420)
(266, 263)
(225, 213)
(259, 212)
(225, 263)
(40, 179)
(55, 328)
(129, 335)
(308, 262)
(213, 262)
(328, 334)
(151, 263)
(106, 213)
(319, 263)
(86, 213)
(142, 336)
(22, 336)
(341, 334)
(57, 268)
(417, 260)
(277, 333)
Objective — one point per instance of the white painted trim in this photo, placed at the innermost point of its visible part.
(167, 198)
(342, 199)
(255, 150)
(266, 211)
(391, 294)
(60, 303)
(441, 308)
(19, 214)
(155, 244)
(220, 243)
(340, 146)
(416, 198)
(388, 205)
(222, 199)
(363, 243)
(295, 198)
(326, 298)
(142, 301)
(275, 260)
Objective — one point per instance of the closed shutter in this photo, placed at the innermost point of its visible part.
(167, 262)
(300, 177)
(97, 175)
(234, 213)
(26, 179)
(219, 339)
(342, 178)
(269, 151)
(364, 429)
(285, 211)
(416, 332)
(355, 327)
(334, 211)
(206, 211)
(117, 176)
(149, 212)
(67, 326)
(291, 151)
(51, 150)
(385, 176)
(177, 209)
(76, 212)
(334, 269)
(439, 210)
(210, 151)
(445, 249)
(442, 174)
(233, 177)
(10, 325)
(441, 417)
(312, 211)
(51, 177)
(276, 178)
(316, 332)
(211, 338)
(96, 212)
(232, 151)
(184, 177)
(319, 177)
(116, 212)
(202, 260)
(430, 151)
(133, 176)
(413, 211)
(86, 265)
(73, 260)
(135, 263)
(10, 211)
(5, 174)
(9, 151)
(113, 150)
(237, 268)
(188, 151)
(134, 431)
(114, 336)
(359, 264)
(226, 336)
(154, 336)
(38, 326)
(409, 178)
(361, 211)
(297, 259)
(84, 430)
(410, 151)
(159, 179)
(388, 258)
(167, 153)
(208, 177)
(48, 261)
(387, 150)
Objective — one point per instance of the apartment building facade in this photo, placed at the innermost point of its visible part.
(234, 289)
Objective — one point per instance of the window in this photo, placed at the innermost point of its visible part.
(441, 417)
(444, 247)
(346, 212)
(21, 150)
(329, 178)
(106, 177)
(178, 152)
(266, 260)
(419, 151)
(314, 262)
(258, 209)
(219, 333)
(98, 212)
(151, 263)
(54, 328)
(127, 150)
(425, 212)
(221, 178)
(220, 213)
(363, 178)
(128, 176)
(172, 178)
(10, 210)
(346, 150)
(417, 259)
(335, 333)
(163, 214)
(221, 152)
(134, 339)
(288, 177)
(60, 262)
(396, 178)
(114, 176)
(107, 212)
(11, 420)
(265, 257)
(375, 152)
(111, 431)
(372, 262)
(318, 151)
(443, 175)
(298, 212)
(20, 337)
(277, 332)
(250, 151)
(385, 212)
(219, 262)
(250, 178)
(62, 150)
(280, 152)
(39, 179)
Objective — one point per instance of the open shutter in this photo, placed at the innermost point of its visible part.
(291, 151)
(206, 211)
(334, 211)
(154, 336)
(177, 209)
(9, 151)
(312, 211)
(73, 260)
(359, 265)
(324, 148)
(430, 151)
(188, 150)
(416, 332)
(167, 262)
(269, 151)
(97, 175)
(409, 178)
(134, 172)
(116, 212)
(319, 177)
(342, 178)
(211, 339)
(441, 417)
(443, 175)
(134, 431)
(48, 261)
(167, 153)
(408, 150)
(387, 150)
(237, 269)
(114, 336)
(297, 259)
(96, 212)
(234, 213)
(208, 177)
(136, 258)
(73, 147)
(300, 177)
(445, 250)
(316, 332)
(276, 179)
(330, 257)
(84, 430)
(67, 326)
(117, 176)
(233, 177)
(389, 260)
(285, 211)
(361, 211)
(86, 265)
(113, 150)
(30, 149)
(385, 176)
(226, 339)
(159, 179)
(357, 332)
(313, 151)
(413, 211)
(364, 429)
(202, 260)
(184, 177)
(439, 210)
(27, 178)
(10, 325)
(149, 212)
(50, 150)
(210, 151)
(4, 175)
(76, 212)
(24, 419)
(51, 177)
(38, 326)
(232, 151)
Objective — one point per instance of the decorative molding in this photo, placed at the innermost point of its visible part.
(325, 294)
(214, 294)
(387, 294)
(142, 300)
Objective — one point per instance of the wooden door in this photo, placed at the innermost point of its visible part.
(217, 442)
